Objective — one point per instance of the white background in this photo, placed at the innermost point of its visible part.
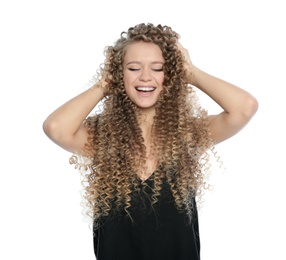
(51, 49)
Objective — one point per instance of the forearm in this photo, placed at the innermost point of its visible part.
(231, 98)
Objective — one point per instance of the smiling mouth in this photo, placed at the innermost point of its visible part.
(145, 89)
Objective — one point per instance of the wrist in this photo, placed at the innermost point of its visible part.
(99, 89)
(192, 73)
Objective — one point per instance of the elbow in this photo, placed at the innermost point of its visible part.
(50, 128)
(47, 127)
(247, 110)
(251, 107)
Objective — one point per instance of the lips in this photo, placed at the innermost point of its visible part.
(145, 89)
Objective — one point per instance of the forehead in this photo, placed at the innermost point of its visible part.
(143, 51)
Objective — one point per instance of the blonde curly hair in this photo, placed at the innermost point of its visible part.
(180, 133)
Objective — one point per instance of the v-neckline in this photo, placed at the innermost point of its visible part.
(147, 179)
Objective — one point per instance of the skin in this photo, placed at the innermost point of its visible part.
(142, 68)
(238, 105)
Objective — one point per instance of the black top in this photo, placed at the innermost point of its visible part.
(161, 233)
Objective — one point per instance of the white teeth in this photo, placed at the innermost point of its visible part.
(145, 88)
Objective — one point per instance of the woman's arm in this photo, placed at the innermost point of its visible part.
(238, 105)
(65, 127)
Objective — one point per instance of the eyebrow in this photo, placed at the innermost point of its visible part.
(138, 62)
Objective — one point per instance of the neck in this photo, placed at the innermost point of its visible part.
(145, 123)
(146, 116)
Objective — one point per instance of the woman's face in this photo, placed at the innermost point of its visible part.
(143, 73)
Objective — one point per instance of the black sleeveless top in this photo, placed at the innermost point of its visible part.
(158, 233)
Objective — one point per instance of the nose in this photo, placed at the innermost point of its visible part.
(145, 75)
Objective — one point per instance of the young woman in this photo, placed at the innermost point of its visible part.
(147, 152)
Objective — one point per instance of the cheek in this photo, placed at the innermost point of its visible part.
(127, 79)
(160, 79)
(127, 85)
(124, 78)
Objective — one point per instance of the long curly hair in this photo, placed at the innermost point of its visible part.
(180, 133)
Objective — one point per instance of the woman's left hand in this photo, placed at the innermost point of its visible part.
(188, 65)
